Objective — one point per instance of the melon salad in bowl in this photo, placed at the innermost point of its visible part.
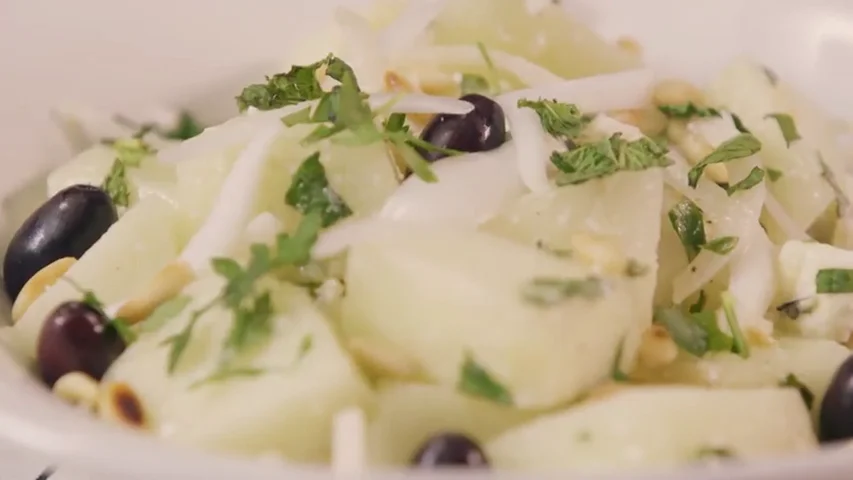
(503, 245)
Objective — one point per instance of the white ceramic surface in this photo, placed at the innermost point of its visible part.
(124, 56)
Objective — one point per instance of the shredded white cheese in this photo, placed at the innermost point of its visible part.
(348, 442)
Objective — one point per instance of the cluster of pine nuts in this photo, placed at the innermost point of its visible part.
(112, 401)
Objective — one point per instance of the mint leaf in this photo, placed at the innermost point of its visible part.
(563, 121)
(474, 380)
(696, 334)
(739, 343)
(607, 157)
(310, 191)
(493, 76)
(165, 312)
(688, 222)
(792, 381)
(721, 245)
(773, 174)
(753, 178)
(834, 280)
(739, 124)
(688, 110)
(787, 126)
(741, 146)
(297, 85)
(472, 83)
(187, 127)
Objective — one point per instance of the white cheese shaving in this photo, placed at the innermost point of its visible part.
(470, 189)
(530, 151)
(348, 442)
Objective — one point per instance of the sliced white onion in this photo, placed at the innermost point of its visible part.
(263, 228)
(233, 206)
(349, 451)
(752, 282)
(613, 91)
(239, 130)
(470, 189)
(409, 26)
(530, 147)
(783, 220)
(361, 48)
(347, 233)
(528, 72)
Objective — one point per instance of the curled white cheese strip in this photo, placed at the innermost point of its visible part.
(529, 143)
(470, 189)
(239, 130)
(348, 442)
(785, 222)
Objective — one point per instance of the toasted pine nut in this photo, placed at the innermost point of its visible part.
(650, 121)
(382, 361)
(38, 283)
(118, 403)
(657, 349)
(677, 92)
(77, 388)
(695, 149)
(757, 337)
(630, 45)
(166, 284)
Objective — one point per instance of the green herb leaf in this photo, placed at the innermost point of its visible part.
(607, 157)
(396, 122)
(560, 120)
(792, 381)
(494, 77)
(475, 380)
(299, 84)
(787, 126)
(841, 200)
(739, 124)
(550, 291)
(310, 191)
(700, 303)
(296, 249)
(741, 146)
(753, 178)
(616, 372)
(305, 347)
(773, 174)
(557, 252)
(252, 325)
(834, 280)
(228, 373)
(116, 186)
(472, 83)
(688, 222)
(696, 334)
(721, 245)
(165, 312)
(123, 329)
(635, 269)
(415, 162)
(688, 110)
(178, 343)
(714, 452)
(186, 128)
(739, 344)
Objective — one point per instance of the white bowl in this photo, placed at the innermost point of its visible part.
(124, 56)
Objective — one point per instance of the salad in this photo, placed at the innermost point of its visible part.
(506, 245)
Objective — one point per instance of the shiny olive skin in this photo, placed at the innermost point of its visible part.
(479, 130)
(450, 450)
(67, 225)
(76, 337)
(836, 409)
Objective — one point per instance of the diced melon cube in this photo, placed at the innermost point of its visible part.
(124, 260)
(659, 427)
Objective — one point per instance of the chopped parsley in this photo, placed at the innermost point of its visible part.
(187, 127)
(834, 280)
(773, 174)
(741, 146)
(473, 83)
(787, 126)
(550, 291)
(700, 303)
(841, 200)
(721, 245)
(129, 153)
(616, 372)
(123, 329)
(165, 312)
(297, 85)
(560, 120)
(696, 333)
(739, 343)
(688, 110)
(474, 380)
(119, 325)
(252, 310)
(607, 157)
(228, 373)
(792, 381)
(689, 224)
(753, 178)
(310, 191)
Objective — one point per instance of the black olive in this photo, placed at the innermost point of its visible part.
(450, 450)
(836, 409)
(67, 225)
(479, 130)
(76, 337)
